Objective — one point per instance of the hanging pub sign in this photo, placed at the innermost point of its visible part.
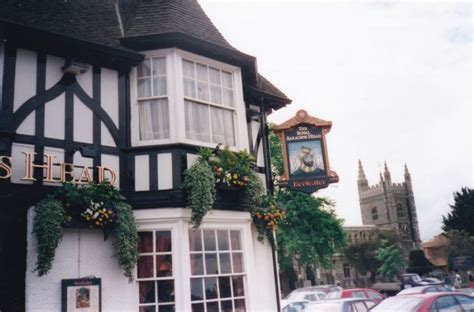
(305, 157)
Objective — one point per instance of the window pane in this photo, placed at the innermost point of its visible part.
(222, 126)
(159, 86)
(195, 240)
(196, 289)
(226, 306)
(466, 302)
(238, 286)
(145, 244)
(197, 264)
(144, 87)
(213, 307)
(209, 240)
(189, 88)
(223, 240)
(214, 76)
(197, 121)
(238, 263)
(227, 80)
(201, 71)
(239, 305)
(198, 307)
(188, 69)
(216, 94)
(211, 263)
(153, 119)
(210, 285)
(224, 260)
(228, 97)
(144, 68)
(166, 308)
(203, 91)
(224, 287)
(164, 265)
(145, 266)
(159, 66)
(235, 240)
(147, 292)
(163, 241)
(147, 309)
(165, 291)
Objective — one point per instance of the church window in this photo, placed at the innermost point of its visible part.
(400, 212)
(347, 270)
(152, 99)
(375, 214)
(217, 270)
(209, 103)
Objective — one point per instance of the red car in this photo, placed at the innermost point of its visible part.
(356, 293)
(430, 302)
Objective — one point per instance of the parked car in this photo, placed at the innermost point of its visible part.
(430, 302)
(309, 295)
(341, 305)
(324, 288)
(432, 280)
(293, 305)
(424, 290)
(356, 293)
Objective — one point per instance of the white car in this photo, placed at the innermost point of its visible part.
(293, 305)
(308, 295)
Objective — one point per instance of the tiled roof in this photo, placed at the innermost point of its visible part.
(107, 22)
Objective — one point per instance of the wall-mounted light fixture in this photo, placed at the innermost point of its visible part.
(75, 67)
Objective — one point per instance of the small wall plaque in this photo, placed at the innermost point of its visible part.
(81, 295)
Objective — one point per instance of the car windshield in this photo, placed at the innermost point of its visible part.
(334, 295)
(396, 304)
(413, 290)
(416, 278)
(323, 307)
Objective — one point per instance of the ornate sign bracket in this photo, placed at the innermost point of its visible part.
(305, 157)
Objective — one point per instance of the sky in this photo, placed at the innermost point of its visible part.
(394, 77)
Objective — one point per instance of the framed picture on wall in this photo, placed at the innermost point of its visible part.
(81, 295)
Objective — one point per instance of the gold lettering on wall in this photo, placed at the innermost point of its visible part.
(103, 170)
(66, 171)
(48, 166)
(85, 174)
(5, 167)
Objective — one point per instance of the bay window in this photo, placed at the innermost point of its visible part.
(152, 99)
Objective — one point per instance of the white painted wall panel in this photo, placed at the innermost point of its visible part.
(191, 159)
(54, 113)
(165, 171)
(18, 162)
(109, 93)
(28, 125)
(255, 126)
(112, 162)
(85, 81)
(25, 77)
(106, 137)
(83, 122)
(262, 177)
(260, 159)
(142, 173)
(82, 252)
(54, 70)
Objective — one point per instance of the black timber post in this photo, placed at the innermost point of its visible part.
(269, 184)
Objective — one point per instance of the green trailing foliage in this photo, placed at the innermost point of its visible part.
(67, 206)
(48, 229)
(200, 185)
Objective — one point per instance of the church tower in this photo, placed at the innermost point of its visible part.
(390, 205)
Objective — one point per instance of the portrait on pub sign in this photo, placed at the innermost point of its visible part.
(305, 159)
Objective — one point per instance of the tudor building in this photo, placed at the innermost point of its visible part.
(132, 86)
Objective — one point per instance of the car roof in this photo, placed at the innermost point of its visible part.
(433, 294)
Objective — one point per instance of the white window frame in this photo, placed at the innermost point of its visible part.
(177, 220)
(176, 108)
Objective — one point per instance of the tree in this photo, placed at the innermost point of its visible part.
(460, 245)
(391, 260)
(461, 216)
(417, 263)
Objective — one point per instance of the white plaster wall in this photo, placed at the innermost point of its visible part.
(54, 112)
(165, 171)
(109, 93)
(25, 87)
(53, 70)
(112, 162)
(191, 159)
(142, 173)
(81, 253)
(85, 81)
(83, 124)
(106, 137)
